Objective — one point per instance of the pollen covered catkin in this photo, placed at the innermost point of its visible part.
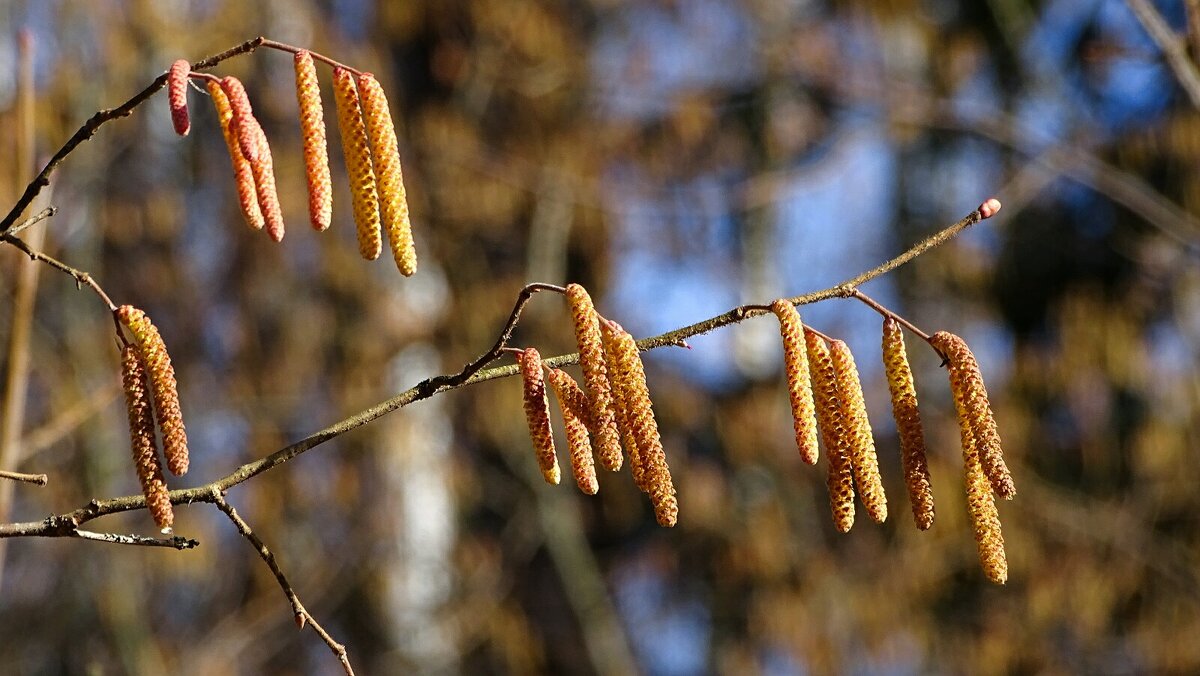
(537, 414)
(141, 438)
(316, 152)
(363, 192)
(795, 360)
(385, 154)
(834, 431)
(966, 382)
(863, 459)
(573, 403)
(595, 376)
(243, 122)
(619, 380)
(908, 424)
(177, 84)
(264, 185)
(981, 502)
(162, 378)
(242, 173)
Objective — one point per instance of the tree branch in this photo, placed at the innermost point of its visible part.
(1173, 46)
(39, 479)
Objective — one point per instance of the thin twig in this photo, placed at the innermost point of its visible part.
(874, 305)
(301, 614)
(175, 542)
(81, 278)
(318, 57)
(37, 479)
(34, 219)
(1172, 45)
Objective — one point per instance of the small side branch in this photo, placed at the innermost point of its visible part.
(176, 542)
(298, 610)
(1173, 46)
(36, 479)
(82, 278)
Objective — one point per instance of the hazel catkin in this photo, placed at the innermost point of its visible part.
(981, 502)
(264, 185)
(177, 84)
(863, 459)
(614, 359)
(316, 152)
(913, 458)
(834, 431)
(537, 414)
(595, 376)
(242, 173)
(141, 438)
(243, 121)
(795, 360)
(573, 403)
(162, 378)
(363, 192)
(385, 155)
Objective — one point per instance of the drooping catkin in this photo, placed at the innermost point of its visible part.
(595, 376)
(264, 185)
(863, 459)
(363, 192)
(141, 438)
(653, 457)
(573, 403)
(615, 361)
(385, 154)
(242, 173)
(162, 378)
(243, 122)
(537, 414)
(908, 424)
(795, 361)
(981, 502)
(966, 382)
(316, 152)
(834, 431)
(177, 84)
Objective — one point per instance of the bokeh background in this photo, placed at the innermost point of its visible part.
(677, 157)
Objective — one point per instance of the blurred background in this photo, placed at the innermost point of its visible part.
(677, 157)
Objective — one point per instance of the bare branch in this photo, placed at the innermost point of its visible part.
(1172, 45)
(38, 479)
(175, 542)
(81, 278)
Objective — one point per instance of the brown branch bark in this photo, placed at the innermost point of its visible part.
(1173, 46)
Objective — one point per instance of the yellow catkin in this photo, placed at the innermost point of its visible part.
(177, 84)
(242, 173)
(908, 424)
(573, 403)
(141, 438)
(834, 431)
(863, 459)
(264, 185)
(385, 154)
(537, 414)
(595, 376)
(243, 122)
(316, 152)
(162, 378)
(966, 382)
(363, 191)
(795, 361)
(981, 503)
(619, 380)
(644, 427)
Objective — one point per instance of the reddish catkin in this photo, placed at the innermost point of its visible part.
(595, 376)
(834, 431)
(162, 378)
(242, 173)
(316, 152)
(177, 85)
(863, 459)
(619, 379)
(537, 414)
(264, 185)
(908, 424)
(966, 382)
(981, 503)
(573, 403)
(644, 427)
(141, 438)
(385, 154)
(795, 360)
(243, 122)
(363, 192)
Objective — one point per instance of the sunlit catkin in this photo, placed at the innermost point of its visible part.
(537, 414)
(834, 431)
(618, 378)
(981, 503)
(595, 376)
(363, 193)
(966, 382)
(264, 185)
(316, 152)
(908, 424)
(243, 122)
(636, 393)
(242, 173)
(863, 459)
(385, 154)
(573, 403)
(177, 84)
(795, 361)
(141, 438)
(162, 378)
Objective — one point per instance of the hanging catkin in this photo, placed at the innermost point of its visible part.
(242, 173)
(537, 414)
(908, 424)
(141, 438)
(863, 459)
(316, 152)
(981, 502)
(385, 154)
(177, 84)
(264, 184)
(243, 122)
(619, 379)
(162, 378)
(795, 361)
(573, 404)
(595, 376)
(363, 192)
(834, 431)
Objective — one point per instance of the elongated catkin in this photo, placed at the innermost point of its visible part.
(981, 502)
(595, 376)
(795, 360)
(177, 84)
(913, 458)
(863, 459)
(162, 378)
(385, 154)
(363, 191)
(316, 151)
(834, 431)
(141, 438)
(243, 122)
(574, 406)
(242, 173)
(264, 185)
(537, 414)
(615, 360)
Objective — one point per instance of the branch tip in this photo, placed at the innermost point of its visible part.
(989, 207)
